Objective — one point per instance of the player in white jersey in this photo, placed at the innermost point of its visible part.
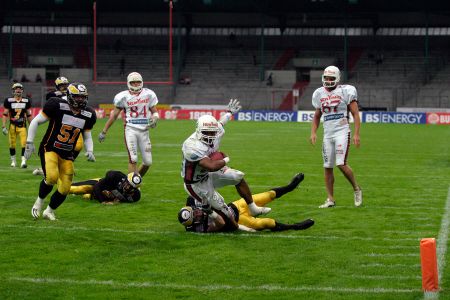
(203, 175)
(333, 101)
(139, 104)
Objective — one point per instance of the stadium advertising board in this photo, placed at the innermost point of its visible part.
(438, 118)
(188, 114)
(266, 115)
(394, 117)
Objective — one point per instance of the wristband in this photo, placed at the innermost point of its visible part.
(155, 115)
(226, 159)
(213, 215)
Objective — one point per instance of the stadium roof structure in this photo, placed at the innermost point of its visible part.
(246, 12)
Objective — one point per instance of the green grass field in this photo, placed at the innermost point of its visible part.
(140, 251)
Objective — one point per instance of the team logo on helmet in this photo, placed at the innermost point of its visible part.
(186, 216)
(135, 180)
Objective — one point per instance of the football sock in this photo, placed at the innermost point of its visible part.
(280, 227)
(44, 189)
(303, 225)
(56, 200)
(280, 191)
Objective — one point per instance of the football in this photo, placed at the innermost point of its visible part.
(217, 155)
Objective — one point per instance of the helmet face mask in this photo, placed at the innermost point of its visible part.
(331, 77)
(17, 89)
(61, 84)
(207, 129)
(77, 95)
(135, 82)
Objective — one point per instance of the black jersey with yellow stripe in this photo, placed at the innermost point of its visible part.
(65, 127)
(17, 110)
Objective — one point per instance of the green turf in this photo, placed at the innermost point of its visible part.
(139, 251)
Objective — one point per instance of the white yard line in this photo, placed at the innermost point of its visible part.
(243, 235)
(267, 287)
(441, 247)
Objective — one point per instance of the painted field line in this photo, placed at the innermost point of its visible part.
(403, 266)
(244, 235)
(396, 208)
(416, 254)
(441, 247)
(378, 277)
(215, 287)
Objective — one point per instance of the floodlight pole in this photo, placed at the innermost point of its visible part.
(94, 71)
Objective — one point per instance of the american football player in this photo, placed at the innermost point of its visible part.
(67, 120)
(202, 175)
(197, 218)
(60, 91)
(139, 104)
(115, 187)
(333, 101)
(18, 111)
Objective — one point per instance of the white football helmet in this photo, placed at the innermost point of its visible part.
(135, 77)
(207, 129)
(331, 71)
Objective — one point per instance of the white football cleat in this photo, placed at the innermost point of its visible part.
(13, 163)
(358, 197)
(37, 207)
(328, 203)
(23, 165)
(49, 214)
(38, 171)
(258, 210)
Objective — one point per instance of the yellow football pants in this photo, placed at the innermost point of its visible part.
(84, 187)
(15, 131)
(245, 218)
(58, 171)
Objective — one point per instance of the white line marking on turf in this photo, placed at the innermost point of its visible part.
(266, 287)
(245, 235)
(441, 247)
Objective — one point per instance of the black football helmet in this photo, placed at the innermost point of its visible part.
(17, 89)
(77, 95)
(61, 84)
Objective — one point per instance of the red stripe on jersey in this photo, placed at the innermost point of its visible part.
(189, 171)
(348, 149)
(193, 194)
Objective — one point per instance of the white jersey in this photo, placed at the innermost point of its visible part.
(195, 150)
(137, 107)
(334, 107)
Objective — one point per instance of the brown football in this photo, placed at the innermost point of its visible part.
(217, 155)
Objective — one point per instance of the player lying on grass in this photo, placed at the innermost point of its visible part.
(198, 218)
(114, 188)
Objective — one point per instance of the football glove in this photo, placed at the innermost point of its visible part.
(234, 106)
(29, 149)
(101, 137)
(90, 156)
(5, 130)
(152, 121)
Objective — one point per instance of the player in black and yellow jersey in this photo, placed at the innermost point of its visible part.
(60, 91)
(114, 188)
(68, 119)
(17, 110)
